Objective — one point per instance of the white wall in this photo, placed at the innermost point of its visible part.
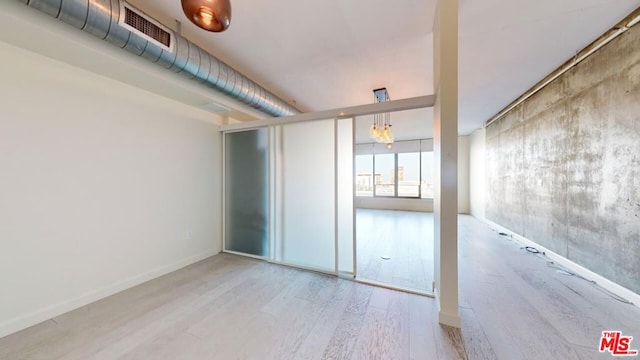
(425, 205)
(477, 174)
(103, 186)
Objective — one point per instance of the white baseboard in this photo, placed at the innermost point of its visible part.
(49, 312)
(573, 267)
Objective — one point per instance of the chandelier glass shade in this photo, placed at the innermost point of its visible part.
(380, 130)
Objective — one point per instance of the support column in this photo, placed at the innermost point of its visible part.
(445, 146)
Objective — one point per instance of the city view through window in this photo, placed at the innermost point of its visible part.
(376, 175)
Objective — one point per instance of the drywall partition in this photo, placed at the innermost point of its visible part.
(381, 203)
(103, 186)
(477, 175)
(563, 168)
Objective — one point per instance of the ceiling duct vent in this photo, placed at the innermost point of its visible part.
(124, 26)
(138, 22)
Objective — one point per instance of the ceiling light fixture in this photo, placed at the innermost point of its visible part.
(380, 130)
(211, 15)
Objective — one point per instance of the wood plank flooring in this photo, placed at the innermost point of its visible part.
(526, 308)
(513, 306)
(406, 237)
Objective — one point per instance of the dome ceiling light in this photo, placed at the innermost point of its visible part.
(210, 15)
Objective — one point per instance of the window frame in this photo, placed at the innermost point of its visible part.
(395, 177)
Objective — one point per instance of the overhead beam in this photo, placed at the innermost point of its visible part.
(347, 112)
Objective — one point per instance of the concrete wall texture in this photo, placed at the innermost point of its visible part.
(563, 168)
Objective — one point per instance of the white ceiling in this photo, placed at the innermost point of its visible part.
(332, 53)
(406, 125)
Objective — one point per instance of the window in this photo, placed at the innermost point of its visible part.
(409, 174)
(384, 177)
(364, 175)
(426, 175)
(405, 174)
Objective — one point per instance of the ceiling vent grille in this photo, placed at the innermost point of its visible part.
(139, 23)
(123, 25)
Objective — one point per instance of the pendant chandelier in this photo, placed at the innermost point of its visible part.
(380, 130)
(211, 15)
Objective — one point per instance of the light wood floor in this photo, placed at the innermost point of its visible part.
(404, 236)
(513, 306)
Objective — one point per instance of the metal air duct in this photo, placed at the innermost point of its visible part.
(124, 26)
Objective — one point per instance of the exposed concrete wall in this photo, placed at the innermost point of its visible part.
(477, 174)
(563, 168)
(463, 175)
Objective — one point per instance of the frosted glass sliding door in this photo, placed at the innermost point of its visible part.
(345, 189)
(289, 194)
(307, 196)
(246, 192)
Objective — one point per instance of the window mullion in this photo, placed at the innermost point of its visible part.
(395, 176)
(373, 174)
(420, 175)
